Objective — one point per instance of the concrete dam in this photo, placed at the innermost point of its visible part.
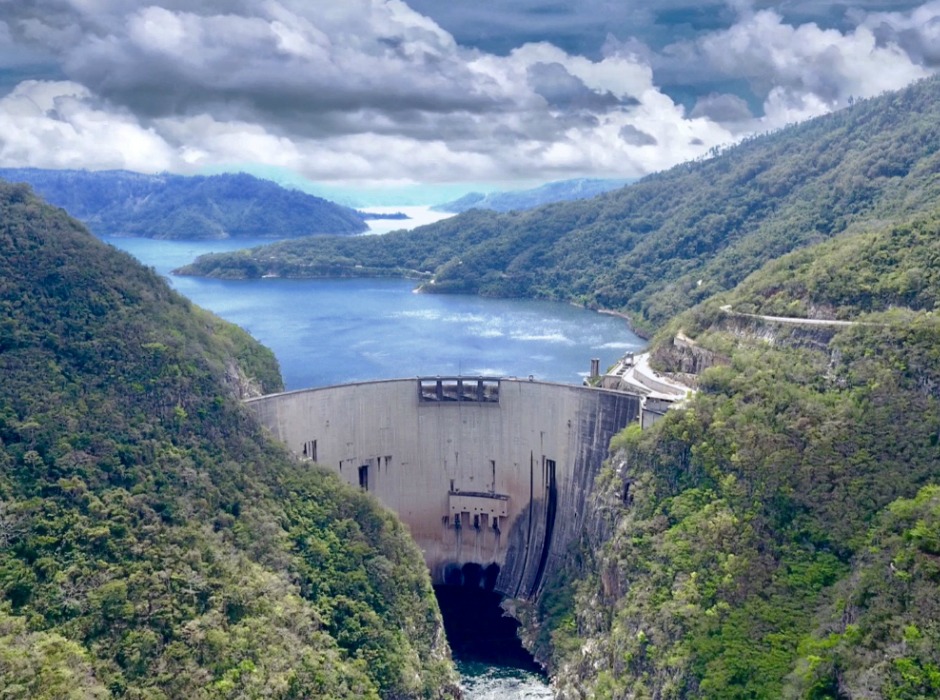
(491, 475)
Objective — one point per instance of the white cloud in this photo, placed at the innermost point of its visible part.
(812, 64)
(60, 125)
(917, 32)
(372, 90)
(827, 63)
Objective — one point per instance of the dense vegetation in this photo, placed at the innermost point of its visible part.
(153, 542)
(894, 266)
(780, 537)
(121, 203)
(562, 191)
(670, 240)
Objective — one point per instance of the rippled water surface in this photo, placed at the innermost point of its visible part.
(328, 332)
(483, 682)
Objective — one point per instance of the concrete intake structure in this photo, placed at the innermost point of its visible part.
(491, 475)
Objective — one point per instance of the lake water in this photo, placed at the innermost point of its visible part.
(417, 216)
(328, 332)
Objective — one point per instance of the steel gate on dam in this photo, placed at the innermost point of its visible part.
(491, 475)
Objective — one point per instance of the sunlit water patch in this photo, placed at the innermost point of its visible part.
(417, 216)
(328, 332)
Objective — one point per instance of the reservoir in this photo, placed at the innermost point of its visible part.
(329, 332)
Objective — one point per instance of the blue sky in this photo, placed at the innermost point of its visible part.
(384, 92)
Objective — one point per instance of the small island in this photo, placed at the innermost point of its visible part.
(379, 216)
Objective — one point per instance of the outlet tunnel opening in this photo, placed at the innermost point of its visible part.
(477, 628)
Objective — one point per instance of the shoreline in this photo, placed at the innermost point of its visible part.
(625, 317)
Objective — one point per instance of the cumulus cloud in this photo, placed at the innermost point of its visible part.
(807, 61)
(723, 108)
(281, 63)
(377, 89)
(561, 89)
(636, 137)
(917, 33)
(63, 125)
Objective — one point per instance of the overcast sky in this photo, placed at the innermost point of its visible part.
(434, 91)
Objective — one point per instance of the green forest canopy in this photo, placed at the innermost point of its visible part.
(780, 536)
(153, 542)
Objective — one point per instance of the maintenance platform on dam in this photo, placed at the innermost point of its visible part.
(492, 475)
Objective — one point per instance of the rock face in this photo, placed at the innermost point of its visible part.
(687, 357)
(492, 476)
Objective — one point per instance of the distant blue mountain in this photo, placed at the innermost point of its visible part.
(562, 191)
(123, 203)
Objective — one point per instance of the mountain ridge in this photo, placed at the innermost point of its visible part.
(560, 191)
(177, 207)
(778, 535)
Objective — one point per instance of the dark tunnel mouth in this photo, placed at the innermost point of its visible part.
(478, 630)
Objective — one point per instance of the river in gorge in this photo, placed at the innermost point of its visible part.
(483, 681)
(327, 332)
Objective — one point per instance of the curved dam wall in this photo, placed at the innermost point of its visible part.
(490, 475)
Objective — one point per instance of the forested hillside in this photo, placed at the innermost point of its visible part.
(893, 266)
(153, 542)
(672, 239)
(121, 203)
(780, 536)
